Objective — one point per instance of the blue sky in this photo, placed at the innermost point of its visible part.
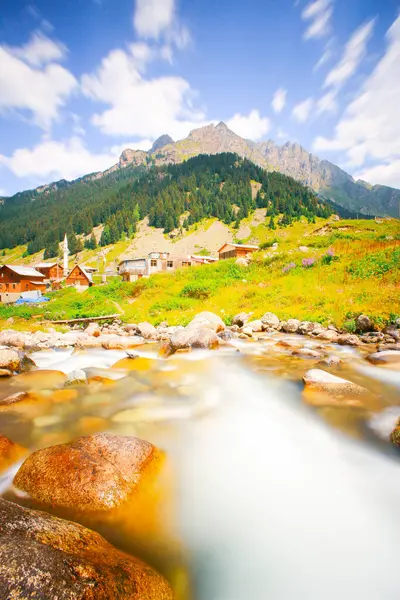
(82, 79)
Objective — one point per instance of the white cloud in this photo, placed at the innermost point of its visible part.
(40, 50)
(326, 56)
(327, 103)
(318, 15)
(301, 111)
(370, 127)
(353, 54)
(252, 126)
(40, 91)
(279, 100)
(383, 174)
(51, 160)
(144, 145)
(3, 192)
(154, 19)
(138, 106)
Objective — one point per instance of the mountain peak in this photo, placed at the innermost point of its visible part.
(160, 142)
(222, 125)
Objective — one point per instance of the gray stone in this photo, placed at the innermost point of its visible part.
(307, 353)
(348, 339)
(194, 338)
(10, 359)
(270, 320)
(148, 331)
(242, 262)
(328, 335)
(330, 361)
(247, 330)
(323, 381)
(76, 377)
(256, 326)
(386, 357)
(241, 319)
(291, 326)
(121, 343)
(209, 320)
(364, 324)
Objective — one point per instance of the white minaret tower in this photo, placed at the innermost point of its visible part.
(66, 254)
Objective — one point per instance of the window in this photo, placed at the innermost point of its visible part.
(153, 263)
(14, 286)
(186, 264)
(170, 264)
(26, 286)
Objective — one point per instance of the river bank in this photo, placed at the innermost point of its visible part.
(152, 394)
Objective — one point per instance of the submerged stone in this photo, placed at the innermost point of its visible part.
(10, 453)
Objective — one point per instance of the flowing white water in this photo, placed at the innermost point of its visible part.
(275, 505)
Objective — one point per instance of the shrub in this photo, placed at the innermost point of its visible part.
(268, 244)
(350, 326)
(196, 290)
(329, 257)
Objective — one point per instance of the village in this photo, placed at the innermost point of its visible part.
(27, 284)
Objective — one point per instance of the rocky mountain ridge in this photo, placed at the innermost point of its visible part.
(290, 159)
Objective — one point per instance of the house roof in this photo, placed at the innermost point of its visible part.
(87, 275)
(25, 271)
(199, 257)
(252, 247)
(46, 265)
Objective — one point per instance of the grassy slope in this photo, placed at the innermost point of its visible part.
(365, 278)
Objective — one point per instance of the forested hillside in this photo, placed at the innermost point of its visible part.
(205, 186)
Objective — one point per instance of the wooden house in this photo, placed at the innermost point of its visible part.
(230, 250)
(79, 277)
(16, 279)
(51, 271)
(132, 269)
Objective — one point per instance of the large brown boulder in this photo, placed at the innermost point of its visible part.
(202, 337)
(93, 473)
(48, 558)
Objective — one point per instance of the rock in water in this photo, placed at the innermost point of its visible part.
(207, 319)
(10, 452)
(9, 359)
(148, 331)
(323, 381)
(92, 473)
(385, 358)
(49, 558)
(292, 326)
(241, 319)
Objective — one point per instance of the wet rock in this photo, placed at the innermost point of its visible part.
(241, 319)
(307, 353)
(42, 556)
(97, 472)
(364, 324)
(323, 381)
(328, 335)
(330, 361)
(9, 359)
(10, 453)
(14, 399)
(131, 327)
(310, 328)
(385, 358)
(270, 321)
(395, 347)
(93, 329)
(76, 377)
(12, 338)
(256, 326)
(372, 338)
(5, 373)
(393, 332)
(194, 338)
(348, 339)
(247, 331)
(291, 326)
(121, 343)
(136, 364)
(207, 320)
(40, 379)
(384, 422)
(226, 335)
(148, 331)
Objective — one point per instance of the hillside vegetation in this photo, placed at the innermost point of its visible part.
(206, 186)
(348, 267)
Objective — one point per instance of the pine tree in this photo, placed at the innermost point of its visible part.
(271, 224)
(105, 236)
